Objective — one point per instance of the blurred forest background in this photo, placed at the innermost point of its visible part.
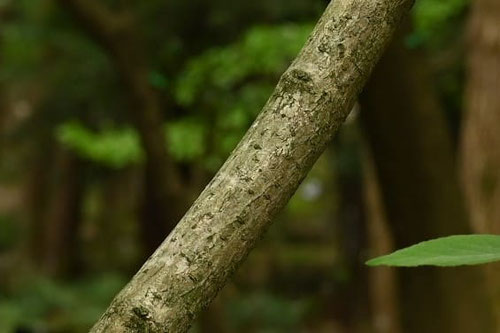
(114, 115)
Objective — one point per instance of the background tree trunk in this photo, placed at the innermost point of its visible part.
(352, 235)
(309, 104)
(37, 193)
(383, 280)
(117, 34)
(61, 224)
(481, 136)
(158, 207)
(414, 161)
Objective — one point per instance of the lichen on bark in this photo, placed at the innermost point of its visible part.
(309, 104)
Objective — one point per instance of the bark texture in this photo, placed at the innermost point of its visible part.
(481, 135)
(413, 156)
(309, 104)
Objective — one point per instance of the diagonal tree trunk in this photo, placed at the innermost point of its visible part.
(117, 34)
(307, 107)
(481, 135)
(414, 162)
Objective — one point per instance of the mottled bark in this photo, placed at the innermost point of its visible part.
(117, 34)
(383, 280)
(481, 133)
(413, 156)
(309, 104)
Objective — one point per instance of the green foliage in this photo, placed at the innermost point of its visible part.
(120, 147)
(44, 305)
(21, 47)
(225, 88)
(9, 232)
(18, 48)
(186, 139)
(447, 251)
(158, 80)
(263, 312)
(229, 85)
(435, 19)
(114, 148)
(264, 50)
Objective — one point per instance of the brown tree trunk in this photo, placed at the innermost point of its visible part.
(413, 157)
(117, 34)
(351, 234)
(307, 107)
(212, 319)
(154, 212)
(481, 132)
(3, 114)
(61, 225)
(383, 280)
(37, 193)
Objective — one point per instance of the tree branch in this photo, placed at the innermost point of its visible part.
(307, 107)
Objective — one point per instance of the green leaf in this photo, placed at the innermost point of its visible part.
(448, 251)
(158, 80)
(113, 147)
(435, 20)
(186, 139)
